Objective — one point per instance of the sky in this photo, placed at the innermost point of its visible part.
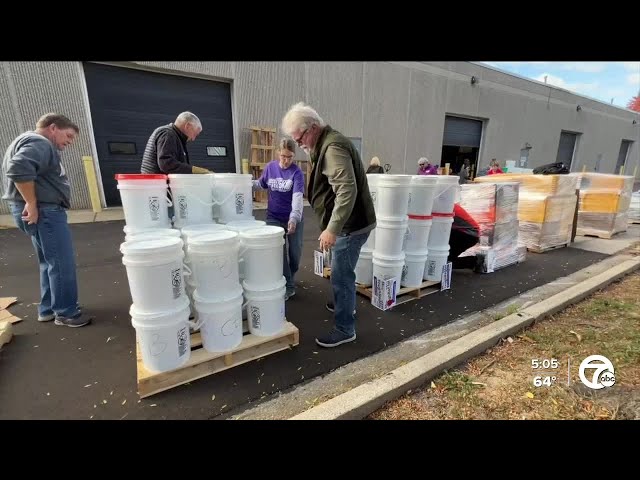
(600, 80)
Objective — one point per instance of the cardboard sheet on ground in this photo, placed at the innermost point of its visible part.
(5, 315)
(5, 302)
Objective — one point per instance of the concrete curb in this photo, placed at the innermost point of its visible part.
(368, 397)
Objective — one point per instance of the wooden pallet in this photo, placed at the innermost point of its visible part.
(634, 222)
(203, 363)
(405, 294)
(547, 249)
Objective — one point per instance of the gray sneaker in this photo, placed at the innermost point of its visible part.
(288, 294)
(79, 321)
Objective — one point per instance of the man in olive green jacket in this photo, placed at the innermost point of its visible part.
(339, 194)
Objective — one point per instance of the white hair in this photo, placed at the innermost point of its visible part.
(423, 160)
(188, 117)
(300, 117)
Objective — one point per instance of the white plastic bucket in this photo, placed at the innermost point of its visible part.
(390, 233)
(372, 180)
(144, 200)
(437, 259)
(233, 196)
(440, 232)
(371, 240)
(192, 198)
(364, 268)
(240, 226)
(155, 273)
(446, 193)
(220, 322)
(214, 264)
(193, 231)
(387, 265)
(423, 189)
(163, 338)
(417, 235)
(152, 233)
(265, 309)
(263, 256)
(393, 195)
(413, 269)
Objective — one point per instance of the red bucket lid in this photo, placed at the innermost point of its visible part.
(140, 176)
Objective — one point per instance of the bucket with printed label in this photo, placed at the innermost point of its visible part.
(233, 197)
(192, 198)
(413, 269)
(144, 200)
(437, 259)
(265, 308)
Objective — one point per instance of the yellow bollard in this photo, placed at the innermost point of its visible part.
(92, 183)
(584, 168)
(446, 168)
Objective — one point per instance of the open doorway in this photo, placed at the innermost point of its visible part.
(461, 140)
(455, 157)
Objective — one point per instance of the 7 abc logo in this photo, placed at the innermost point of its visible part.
(603, 373)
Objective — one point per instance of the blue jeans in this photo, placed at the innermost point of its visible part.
(292, 249)
(344, 256)
(51, 238)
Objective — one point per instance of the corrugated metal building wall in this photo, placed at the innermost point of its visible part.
(398, 109)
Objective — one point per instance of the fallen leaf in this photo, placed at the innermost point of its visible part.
(48, 394)
(554, 401)
(315, 353)
(111, 393)
(530, 395)
(104, 401)
(87, 385)
(153, 405)
(509, 339)
(213, 397)
(108, 339)
(577, 335)
(479, 383)
(223, 406)
(299, 368)
(90, 417)
(433, 385)
(124, 401)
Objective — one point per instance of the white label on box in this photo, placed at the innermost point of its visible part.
(318, 263)
(445, 281)
(384, 292)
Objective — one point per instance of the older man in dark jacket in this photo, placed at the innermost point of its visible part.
(166, 150)
(339, 194)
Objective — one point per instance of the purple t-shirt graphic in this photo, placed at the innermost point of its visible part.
(285, 191)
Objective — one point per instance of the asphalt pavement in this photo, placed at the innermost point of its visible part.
(55, 372)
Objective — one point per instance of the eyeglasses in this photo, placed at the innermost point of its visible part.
(299, 139)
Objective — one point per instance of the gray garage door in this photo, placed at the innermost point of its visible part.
(127, 105)
(462, 132)
(566, 146)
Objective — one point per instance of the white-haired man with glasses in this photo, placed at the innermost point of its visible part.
(339, 194)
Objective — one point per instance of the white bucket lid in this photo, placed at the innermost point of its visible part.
(399, 221)
(394, 180)
(372, 179)
(259, 234)
(151, 246)
(184, 179)
(240, 225)
(448, 179)
(211, 306)
(201, 228)
(232, 176)
(155, 233)
(420, 180)
(213, 242)
(262, 291)
(389, 258)
(439, 251)
(168, 317)
(417, 256)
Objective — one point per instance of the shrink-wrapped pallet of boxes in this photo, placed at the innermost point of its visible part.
(546, 208)
(494, 206)
(604, 203)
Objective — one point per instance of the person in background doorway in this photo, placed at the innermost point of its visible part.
(166, 150)
(285, 183)
(374, 166)
(465, 172)
(339, 194)
(426, 168)
(39, 194)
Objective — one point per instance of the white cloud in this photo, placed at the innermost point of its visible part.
(632, 66)
(587, 67)
(634, 79)
(583, 88)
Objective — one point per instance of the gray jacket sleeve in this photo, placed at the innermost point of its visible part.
(29, 160)
(338, 169)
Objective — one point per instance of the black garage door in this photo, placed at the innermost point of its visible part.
(127, 105)
(462, 132)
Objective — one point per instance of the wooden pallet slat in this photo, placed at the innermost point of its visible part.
(203, 363)
(405, 294)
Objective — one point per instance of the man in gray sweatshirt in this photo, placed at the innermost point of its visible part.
(38, 192)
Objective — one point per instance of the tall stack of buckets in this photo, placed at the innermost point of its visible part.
(223, 264)
(411, 240)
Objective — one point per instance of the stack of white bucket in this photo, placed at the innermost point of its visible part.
(447, 190)
(422, 191)
(157, 258)
(392, 192)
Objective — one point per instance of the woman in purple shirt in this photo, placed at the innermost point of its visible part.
(285, 183)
